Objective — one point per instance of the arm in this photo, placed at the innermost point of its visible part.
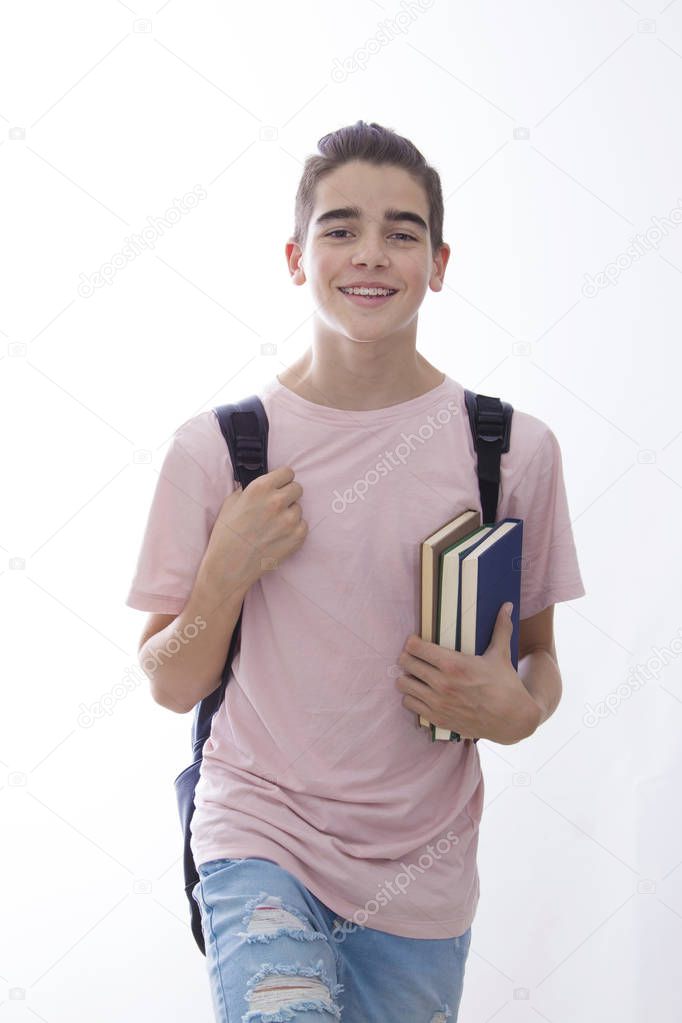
(185, 664)
(255, 530)
(538, 665)
(483, 695)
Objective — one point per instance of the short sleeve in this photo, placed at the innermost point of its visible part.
(194, 480)
(550, 572)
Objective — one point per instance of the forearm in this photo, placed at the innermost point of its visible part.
(184, 661)
(540, 674)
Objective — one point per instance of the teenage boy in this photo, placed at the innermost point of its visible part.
(335, 841)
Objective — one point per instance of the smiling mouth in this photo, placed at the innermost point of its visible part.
(368, 300)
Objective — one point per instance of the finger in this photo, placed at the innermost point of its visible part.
(414, 687)
(433, 653)
(415, 666)
(418, 706)
(502, 632)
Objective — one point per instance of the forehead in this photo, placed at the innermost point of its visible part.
(373, 188)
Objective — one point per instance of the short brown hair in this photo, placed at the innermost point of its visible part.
(377, 145)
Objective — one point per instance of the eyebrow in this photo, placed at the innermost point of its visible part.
(391, 215)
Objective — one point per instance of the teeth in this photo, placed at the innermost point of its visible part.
(367, 291)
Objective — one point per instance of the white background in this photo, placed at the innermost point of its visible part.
(555, 128)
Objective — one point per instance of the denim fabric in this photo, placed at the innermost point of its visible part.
(265, 930)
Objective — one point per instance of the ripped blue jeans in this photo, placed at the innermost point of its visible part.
(274, 952)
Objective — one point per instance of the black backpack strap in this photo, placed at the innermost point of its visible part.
(490, 421)
(244, 425)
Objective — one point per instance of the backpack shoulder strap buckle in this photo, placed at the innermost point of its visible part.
(244, 425)
(490, 421)
(494, 419)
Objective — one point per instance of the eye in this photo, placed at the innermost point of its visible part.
(343, 230)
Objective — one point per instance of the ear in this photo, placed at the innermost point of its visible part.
(440, 261)
(294, 257)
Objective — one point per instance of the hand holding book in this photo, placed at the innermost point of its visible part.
(476, 695)
(468, 571)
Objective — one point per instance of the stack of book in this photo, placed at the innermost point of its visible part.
(468, 571)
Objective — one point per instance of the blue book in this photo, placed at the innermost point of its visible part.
(449, 577)
(476, 575)
(490, 575)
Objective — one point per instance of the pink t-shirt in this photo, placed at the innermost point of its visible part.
(313, 762)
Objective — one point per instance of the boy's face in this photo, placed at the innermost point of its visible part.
(344, 251)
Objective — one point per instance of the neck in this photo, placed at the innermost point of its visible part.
(357, 377)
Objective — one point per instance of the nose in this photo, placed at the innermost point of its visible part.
(370, 249)
(370, 254)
